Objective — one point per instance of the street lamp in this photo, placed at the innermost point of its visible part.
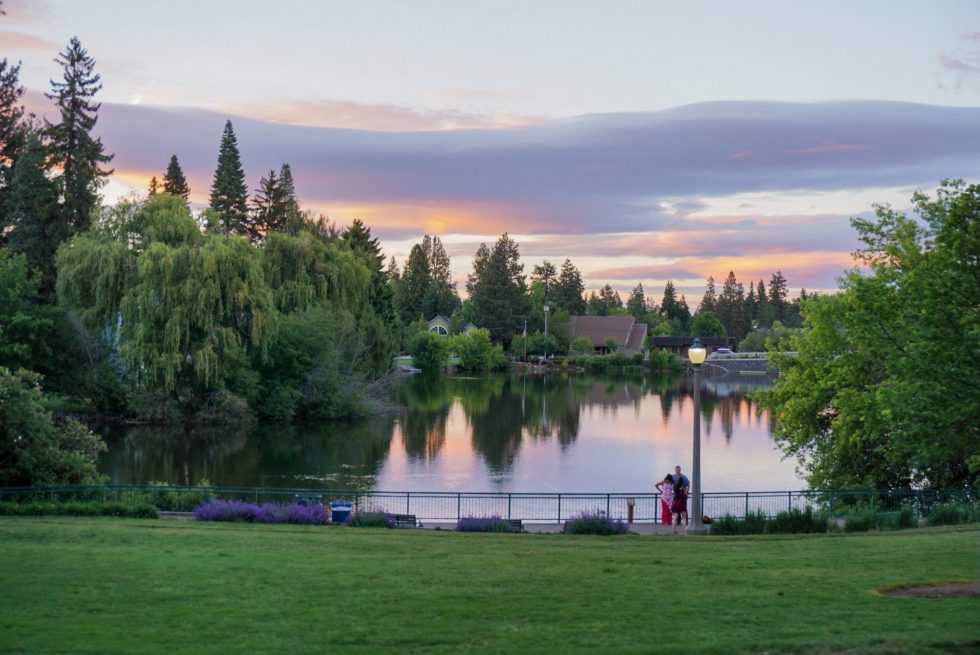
(696, 353)
(546, 310)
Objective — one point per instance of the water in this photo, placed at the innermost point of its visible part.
(487, 433)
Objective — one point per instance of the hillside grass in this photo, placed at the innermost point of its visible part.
(101, 585)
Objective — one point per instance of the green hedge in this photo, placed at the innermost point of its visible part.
(139, 511)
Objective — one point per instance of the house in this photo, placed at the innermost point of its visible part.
(624, 330)
(441, 325)
(679, 345)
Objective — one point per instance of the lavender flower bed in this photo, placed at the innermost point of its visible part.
(595, 523)
(482, 524)
(236, 510)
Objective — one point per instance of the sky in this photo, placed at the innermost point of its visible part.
(646, 141)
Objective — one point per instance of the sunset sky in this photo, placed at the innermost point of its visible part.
(646, 141)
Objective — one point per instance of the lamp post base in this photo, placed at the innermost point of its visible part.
(697, 528)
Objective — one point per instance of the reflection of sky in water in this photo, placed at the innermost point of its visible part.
(580, 434)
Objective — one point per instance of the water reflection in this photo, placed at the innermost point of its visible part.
(501, 432)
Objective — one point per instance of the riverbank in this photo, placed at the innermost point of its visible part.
(114, 585)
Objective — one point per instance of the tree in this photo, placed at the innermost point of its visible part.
(70, 144)
(546, 275)
(497, 289)
(730, 307)
(13, 132)
(636, 305)
(569, 289)
(429, 351)
(174, 181)
(476, 352)
(193, 308)
(34, 448)
(24, 330)
(414, 284)
(706, 324)
(884, 391)
(154, 187)
(229, 194)
(440, 295)
(32, 206)
(709, 299)
(778, 295)
(670, 306)
(268, 209)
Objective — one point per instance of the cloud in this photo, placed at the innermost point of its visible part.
(953, 63)
(21, 42)
(31, 12)
(827, 148)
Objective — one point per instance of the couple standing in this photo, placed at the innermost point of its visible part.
(674, 490)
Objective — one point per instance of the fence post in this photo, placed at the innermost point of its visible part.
(459, 506)
(508, 507)
(607, 506)
(408, 502)
(831, 503)
(746, 505)
(789, 494)
(874, 497)
(559, 508)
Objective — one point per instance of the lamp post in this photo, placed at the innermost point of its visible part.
(546, 310)
(696, 353)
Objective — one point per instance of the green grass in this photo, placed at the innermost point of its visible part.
(99, 585)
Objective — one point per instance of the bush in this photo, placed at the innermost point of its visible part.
(429, 351)
(374, 518)
(858, 522)
(949, 514)
(167, 499)
(76, 508)
(795, 521)
(899, 520)
(581, 345)
(482, 524)
(476, 352)
(662, 360)
(144, 511)
(595, 523)
(236, 510)
(753, 523)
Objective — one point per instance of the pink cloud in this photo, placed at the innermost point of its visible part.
(741, 154)
(19, 41)
(827, 148)
(950, 62)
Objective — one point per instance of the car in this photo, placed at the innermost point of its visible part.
(721, 353)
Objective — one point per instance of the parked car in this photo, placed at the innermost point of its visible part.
(721, 353)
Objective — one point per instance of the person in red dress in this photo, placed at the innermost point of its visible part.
(666, 489)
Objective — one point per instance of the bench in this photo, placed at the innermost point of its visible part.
(405, 521)
(309, 499)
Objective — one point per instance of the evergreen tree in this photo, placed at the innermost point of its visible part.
(545, 274)
(730, 307)
(669, 306)
(154, 186)
(32, 205)
(229, 194)
(709, 299)
(413, 285)
(174, 181)
(763, 312)
(497, 289)
(637, 303)
(440, 296)
(367, 248)
(569, 289)
(778, 294)
(268, 209)
(71, 147)
(287, 186)
(751, 309)
(13, 132)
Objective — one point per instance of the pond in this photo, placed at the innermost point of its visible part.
(503, 433)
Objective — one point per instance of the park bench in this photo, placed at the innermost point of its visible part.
(405, 521)
(309, 499)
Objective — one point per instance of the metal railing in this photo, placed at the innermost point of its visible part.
(531, 507)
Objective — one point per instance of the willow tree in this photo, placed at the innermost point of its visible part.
(190, 309)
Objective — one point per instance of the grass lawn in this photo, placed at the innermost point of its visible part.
(79, 585)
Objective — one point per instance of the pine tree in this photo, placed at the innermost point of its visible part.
(497, 289)
(174, 181)
(440, 296)
(669, 305)
(637, 303)
(414, 283)
(229, 194)
(32, 205)
(709, 299)
(13, 132)
(286, 184)
(569, 289)
(154, 187)
(268, 211)
(763, 312)
(70, 144)
(545, 274)
(777, 296)
(730, 307)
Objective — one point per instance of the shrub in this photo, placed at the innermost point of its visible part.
(858, 522)
(753, 523)
(429, 351)
(144, 511)
(476, 352)
(76, 508)
(582, 345)
(899, 520)
(81, 509)
(949, 514)
(113, 509)
(235, 510)
(595, 523)
(370, 519)
(797, 521)
(226, 510)
(482, 524)
(168, 499)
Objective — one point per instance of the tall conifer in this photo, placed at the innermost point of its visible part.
(13, 132)
(229, 194)
(174, 181)
(70, 143)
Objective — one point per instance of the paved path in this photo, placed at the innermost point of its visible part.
(636, 528)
